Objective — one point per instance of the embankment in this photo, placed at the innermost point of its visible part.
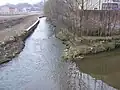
(79, 46)
(87, 32)
(12, 44)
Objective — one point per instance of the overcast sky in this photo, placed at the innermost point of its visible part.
(2, 2)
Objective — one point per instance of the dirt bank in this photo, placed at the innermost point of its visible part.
(77, 47)
(9, 21)
(12, 38)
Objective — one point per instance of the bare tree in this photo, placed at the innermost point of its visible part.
(80, 21)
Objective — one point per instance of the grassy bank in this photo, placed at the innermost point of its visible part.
(77, 47)
(12, 39)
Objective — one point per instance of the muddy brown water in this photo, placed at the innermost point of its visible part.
(40, 67)
(103, 66)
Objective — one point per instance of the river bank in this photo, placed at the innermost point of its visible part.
(39, 66)
(12, 39)
(78, 47)
(95, 58)
(10, 21)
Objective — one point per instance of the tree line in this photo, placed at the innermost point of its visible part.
(71, 13)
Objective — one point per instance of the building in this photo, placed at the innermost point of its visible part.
(102, 4)
(92, 4)
(26, 9)
(111, 5)
(13, 10)
(8, 10)
(4, 9)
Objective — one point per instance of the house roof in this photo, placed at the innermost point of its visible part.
(11, 8)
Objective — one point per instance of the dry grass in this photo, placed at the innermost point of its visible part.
(17, 29)
(77, 46)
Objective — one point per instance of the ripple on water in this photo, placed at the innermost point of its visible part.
(39, 67)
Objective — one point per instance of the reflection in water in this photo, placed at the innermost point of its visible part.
(39, 67)
(104, 66)
(82, 81)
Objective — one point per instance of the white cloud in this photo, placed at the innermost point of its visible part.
(2, 2)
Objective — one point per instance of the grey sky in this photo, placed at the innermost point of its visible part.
(2, 2)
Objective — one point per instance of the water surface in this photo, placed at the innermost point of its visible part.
(104, 66)
(39, 66)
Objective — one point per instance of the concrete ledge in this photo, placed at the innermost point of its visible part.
(30, 30)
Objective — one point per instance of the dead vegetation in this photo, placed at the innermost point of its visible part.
(83, 31)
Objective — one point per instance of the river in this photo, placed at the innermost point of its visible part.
(104, 66)
(39, 66)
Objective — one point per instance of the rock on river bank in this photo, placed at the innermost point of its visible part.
(12, 39)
